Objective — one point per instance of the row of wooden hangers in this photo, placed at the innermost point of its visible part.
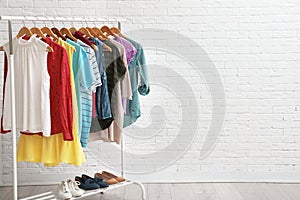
(100, 33)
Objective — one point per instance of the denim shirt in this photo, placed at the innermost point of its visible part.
(103, 110)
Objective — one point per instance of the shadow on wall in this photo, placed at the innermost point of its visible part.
(171, 113)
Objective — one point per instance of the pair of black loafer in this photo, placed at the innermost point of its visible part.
(89, 183)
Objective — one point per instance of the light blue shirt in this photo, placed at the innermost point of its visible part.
(84, 80)
(86, 95)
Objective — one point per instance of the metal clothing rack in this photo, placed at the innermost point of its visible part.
(10, 20)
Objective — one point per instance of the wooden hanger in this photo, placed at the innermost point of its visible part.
(50, 49)
(99, 32)
(92, 32)
(24, 31)
(85, 32)
(73, 30)
(39, 33)
(67, 32)
(95, 34)
(118, 32)
(58, 33)
(99, 37)
(106, 29)
(29, 32)
(49, 32)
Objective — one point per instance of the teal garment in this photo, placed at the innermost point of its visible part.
(83, 78)
(86, 95)
(139, 84)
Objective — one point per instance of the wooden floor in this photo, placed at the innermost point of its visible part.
(194, 191)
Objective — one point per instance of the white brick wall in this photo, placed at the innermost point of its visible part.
(255, 47)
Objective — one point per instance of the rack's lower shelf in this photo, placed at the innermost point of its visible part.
(52, 196)
(115, 186)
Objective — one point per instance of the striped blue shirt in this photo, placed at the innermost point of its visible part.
(86, 95)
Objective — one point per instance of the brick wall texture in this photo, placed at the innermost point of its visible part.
(253, 46)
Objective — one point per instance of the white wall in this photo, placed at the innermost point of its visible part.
(255, 47)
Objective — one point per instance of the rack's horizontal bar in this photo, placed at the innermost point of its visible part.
(65, 19)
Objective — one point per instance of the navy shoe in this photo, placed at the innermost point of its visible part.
(87, 184)
(97, 180)
(101, 182)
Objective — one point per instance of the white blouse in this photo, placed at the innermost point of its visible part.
(32, 86)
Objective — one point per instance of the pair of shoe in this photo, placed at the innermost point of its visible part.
(68, 189)
(109, 177)
(89, 183)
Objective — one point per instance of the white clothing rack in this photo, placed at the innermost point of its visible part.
(11, 19)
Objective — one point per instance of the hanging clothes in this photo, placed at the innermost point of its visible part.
(70, 87)
(54, 150)
(70, 51)
(61, 110)
(84, 80)
(51, 151)
(126, 91)
(130, 52)
(122, 89)
(80, 36)
(60, 91)
(83, 84)
(102, 102)
(32, 85)
(139, 84)
(115, 69)
(93, 64)
(103, 110)
(86, 95)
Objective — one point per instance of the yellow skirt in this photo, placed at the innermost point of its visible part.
(53, 150)
(50, 150)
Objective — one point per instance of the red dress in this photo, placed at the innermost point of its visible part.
(60, 91)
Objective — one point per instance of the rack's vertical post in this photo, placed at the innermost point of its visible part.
(119, 25)
(122, 156)
(13, 112)
(122, 141)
